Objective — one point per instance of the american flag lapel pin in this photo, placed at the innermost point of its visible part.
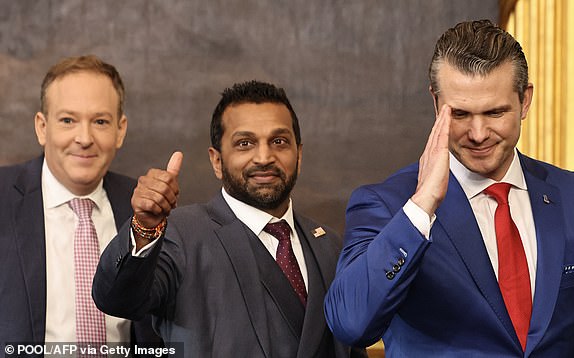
(318, 232)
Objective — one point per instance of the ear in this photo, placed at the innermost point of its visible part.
(215, 159)
(40, 127)
(434, 100)
(299, 158)
(528, 93)
(122, 131)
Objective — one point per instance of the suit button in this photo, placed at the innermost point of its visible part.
(396, 268)
(118, 261)
(401, 261)
(390, 275)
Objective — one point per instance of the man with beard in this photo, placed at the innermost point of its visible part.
(240, 276)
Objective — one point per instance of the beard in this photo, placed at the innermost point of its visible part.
(260, 196)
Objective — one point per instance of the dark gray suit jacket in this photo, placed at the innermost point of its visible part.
(23, 250)
(212, 285)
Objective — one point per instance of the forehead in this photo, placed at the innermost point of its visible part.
(258, 118)
(465, 91)
(84, 89)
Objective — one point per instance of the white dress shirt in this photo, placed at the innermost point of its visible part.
(484, 208)
(60, 222)
(256, 220)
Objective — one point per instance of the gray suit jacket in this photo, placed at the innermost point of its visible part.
(23, 251)
(212, 285)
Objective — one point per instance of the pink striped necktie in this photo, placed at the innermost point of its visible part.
(513, 275)
(90, 322)
(286, 257)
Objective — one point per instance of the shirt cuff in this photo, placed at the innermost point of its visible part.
(144, 251)
(419, 218)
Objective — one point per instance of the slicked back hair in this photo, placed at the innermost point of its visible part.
(476, 48)
(88, 63)
(249, 92)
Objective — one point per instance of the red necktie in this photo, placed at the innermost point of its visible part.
(90, 322)
(286, 258)
(513, 276)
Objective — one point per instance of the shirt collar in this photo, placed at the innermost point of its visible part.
(254, 218)
(56, 194)
(474, 184)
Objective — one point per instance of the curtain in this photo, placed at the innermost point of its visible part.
(542, 29)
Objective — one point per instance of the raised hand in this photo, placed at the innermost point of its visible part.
(157, 192)
(434, 165)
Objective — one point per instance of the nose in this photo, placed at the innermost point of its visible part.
(478, 130)
(84, 134)
(263, 154)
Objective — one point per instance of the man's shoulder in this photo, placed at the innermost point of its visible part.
(546, 171)
(401, 183)
(9, 174)
(120, 180)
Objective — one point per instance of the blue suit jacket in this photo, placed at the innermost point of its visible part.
(23, 251)
(440, 297)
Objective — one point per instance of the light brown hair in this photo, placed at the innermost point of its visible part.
(476, 48)
(88, 63)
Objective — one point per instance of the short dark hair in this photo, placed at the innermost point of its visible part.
(476, 48)
(87, 63)
(249, 92)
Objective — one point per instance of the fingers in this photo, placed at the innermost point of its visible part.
(174, 164)
(157, 192)
(160, 186)
(434, 164)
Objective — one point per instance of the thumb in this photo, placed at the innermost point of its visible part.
(174, 164)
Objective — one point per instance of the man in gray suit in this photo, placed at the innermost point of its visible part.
(215, 279)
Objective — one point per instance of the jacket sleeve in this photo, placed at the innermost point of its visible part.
(130, 287)
(380, 259)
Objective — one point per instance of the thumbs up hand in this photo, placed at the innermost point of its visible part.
(156, 193)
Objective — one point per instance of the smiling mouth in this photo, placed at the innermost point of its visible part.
(481, 150)
(84, 156)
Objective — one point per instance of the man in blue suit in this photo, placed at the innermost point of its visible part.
(432, 263)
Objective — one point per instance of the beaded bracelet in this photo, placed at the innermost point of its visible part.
(148, 233)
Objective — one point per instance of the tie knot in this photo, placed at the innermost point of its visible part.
(82, 207)
(499, 192)
(280, 230)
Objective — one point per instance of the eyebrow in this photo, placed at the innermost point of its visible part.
(275, 132)
(502, 108)
(73, 113)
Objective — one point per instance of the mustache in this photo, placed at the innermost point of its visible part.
(264, 168)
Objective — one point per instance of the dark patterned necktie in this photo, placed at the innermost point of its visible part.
(286, 258)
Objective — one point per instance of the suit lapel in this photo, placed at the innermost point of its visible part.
(235, 240)
(119, 196)
(30, 241)
(550, 238)
(455, 216)
(321, 269)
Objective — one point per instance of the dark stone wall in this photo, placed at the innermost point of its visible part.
(355, 71)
